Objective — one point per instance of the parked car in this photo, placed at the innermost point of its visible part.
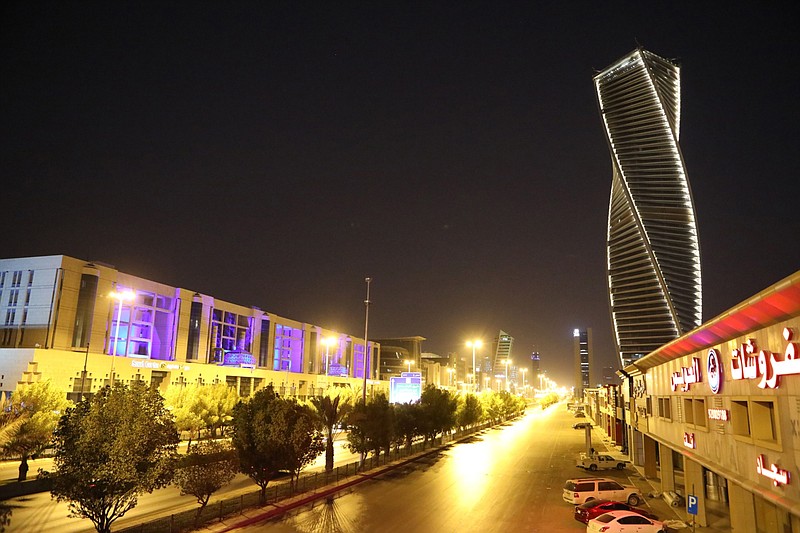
(623, 522)
(600, 461)
(579, 414)
(594, 508)
(580, 490)
(581, 425)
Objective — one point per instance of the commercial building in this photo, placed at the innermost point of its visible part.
(85, 325)
(653, 254)
(713, 415)
(583, 355)
(502, 365)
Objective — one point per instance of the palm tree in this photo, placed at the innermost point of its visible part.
(331, 411)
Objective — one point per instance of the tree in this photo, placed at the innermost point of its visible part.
(111, 448)
(296, 430)
(372, 426)
(186, 404)
(470, 411)
(216, 406)
(36, 409)
(407, 421)
(258, 453)
(331, 412)
(492, 406)
(438, 412)
(206, 468)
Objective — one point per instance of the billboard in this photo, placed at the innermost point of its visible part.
(407, 388)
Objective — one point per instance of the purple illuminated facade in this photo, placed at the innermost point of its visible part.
(61, 308)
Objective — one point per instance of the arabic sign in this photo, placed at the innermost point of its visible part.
(688, 440)
(779, 476)
(686, 376)
(748, 362)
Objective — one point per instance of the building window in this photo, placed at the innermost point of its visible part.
(740, 418)
(688, 412)
(665, 408)
(700, 412)
(762, 425)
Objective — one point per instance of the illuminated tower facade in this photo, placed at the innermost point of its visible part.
(583, 353)
(653, 253)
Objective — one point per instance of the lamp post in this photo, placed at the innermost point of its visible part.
(83, 376)
(524, 371)
(477, 343)
(450, 376)
(366, 348)
(327, 341)
(408, 362)
(121, 296)
(507, 362)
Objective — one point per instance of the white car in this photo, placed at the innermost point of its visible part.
(581, 490)
(623, 522)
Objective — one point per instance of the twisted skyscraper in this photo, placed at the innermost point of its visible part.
(653, 267)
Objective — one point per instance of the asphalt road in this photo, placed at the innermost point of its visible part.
(507, 479)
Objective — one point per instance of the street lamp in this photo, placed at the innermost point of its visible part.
(450, 376)
(477, 343)
(507, 362)
(367, 355)
(524, 371)
(121, 296)
(408, 362)
(327, 341)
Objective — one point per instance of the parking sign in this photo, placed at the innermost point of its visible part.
(691, 504)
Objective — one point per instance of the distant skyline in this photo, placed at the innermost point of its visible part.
(276, 155)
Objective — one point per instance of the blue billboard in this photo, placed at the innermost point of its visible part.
(407, 388)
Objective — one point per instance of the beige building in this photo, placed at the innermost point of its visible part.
(84, 325)
(714, 414)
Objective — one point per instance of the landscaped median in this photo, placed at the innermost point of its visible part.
(282, 497)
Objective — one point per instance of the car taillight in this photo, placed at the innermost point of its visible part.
(604, 528)
(576, 495)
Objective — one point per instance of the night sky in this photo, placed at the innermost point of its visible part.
(275, 154)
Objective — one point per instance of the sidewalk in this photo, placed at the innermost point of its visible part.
(718, 522)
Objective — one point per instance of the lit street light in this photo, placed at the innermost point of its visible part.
(477, 343)
(409, 362)
(121, 296)
(507, 362)
(328, 341)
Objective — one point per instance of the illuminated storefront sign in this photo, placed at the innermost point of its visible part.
(719, 414)
(779, 476)
(688, 440)
(686, 376)
(158, 366)
(745, 364)
(714, 371)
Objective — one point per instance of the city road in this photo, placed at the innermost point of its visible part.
(505, 479)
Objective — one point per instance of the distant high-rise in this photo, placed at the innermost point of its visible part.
(653, 253)
(501, 348)
(584, 359)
